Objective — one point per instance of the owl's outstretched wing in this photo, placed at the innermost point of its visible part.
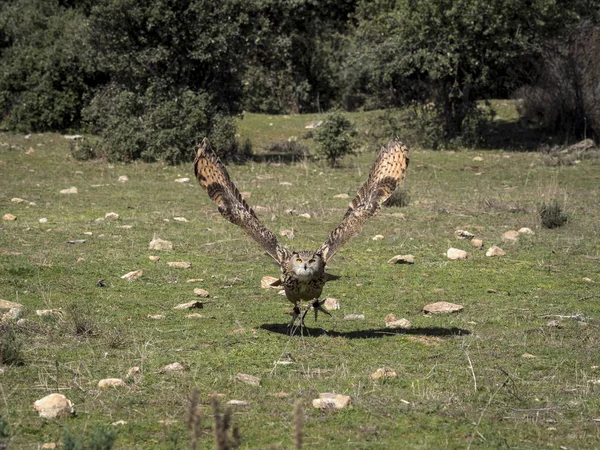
(388, 171)
(212, 176)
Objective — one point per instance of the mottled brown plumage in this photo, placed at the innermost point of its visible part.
(303, 272)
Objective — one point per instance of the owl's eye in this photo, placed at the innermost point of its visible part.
(298, 260)
(311, 261)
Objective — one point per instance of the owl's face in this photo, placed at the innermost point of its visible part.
(306, 265)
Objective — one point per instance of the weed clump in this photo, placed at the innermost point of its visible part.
(400, 198)
(4, 433)
(11, 353)
(99, 439)
(552, 215)
(226, 436)
(82, 323)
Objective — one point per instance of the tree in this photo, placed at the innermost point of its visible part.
(336, 137)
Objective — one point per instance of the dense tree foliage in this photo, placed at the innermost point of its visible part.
(153, 77)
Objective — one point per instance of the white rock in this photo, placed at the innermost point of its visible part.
(331, 304)
(442, 308)
(160, 244)
(154, 258)
(511, 236)
(73, 137)
(332, 401)
(478, 158)
(463, 234)
(180, 219)
(54, 406)
(403, 324)
(110, 382)
(182, 180)
(5, 304)
(287, 233)
(477, 243)
(194, 316)
(305, 215)
(456, 254)
(180, 264)
(123, 179)
(71, 190)
(130, 276)
(202, 293)
(118, 423)
(17, 200)
(526, 230)
(133, 372)
(155, 316)
(341, 196)
(402, 259)
(43, 220)
(285, 183)
(173, 367)
(383, 372)
(248, 379)
(111, 216)
(9, 217)
(237, 403)
(49, 445)
(246, 194)
(12, 315)
(267, 282)
(528, 356)
(377, 237)
(494, 251)
(189, 305)
(354, 317)
(49, 312)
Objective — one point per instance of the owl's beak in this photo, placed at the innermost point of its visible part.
(305, 267)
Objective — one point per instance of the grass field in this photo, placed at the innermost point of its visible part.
(462, 380)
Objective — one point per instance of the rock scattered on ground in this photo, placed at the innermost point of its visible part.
(378, 237)
(237, 403)
(305, 215)
(194, 316)
(43, 220)
(133, 372)
(160, 244)
(173, 367)
(554, 324)
(510, 237)
(442, 308)
(525, 230)
(111, 382)
(494, 251)
(477, 243)
(383, 372)
(267, 282)
(463, 234)
(477, 158)
(587, 279)
(17, 200)
(402, 259)
(155, 316)
(248, 379)
(402, 324)
(202, 293)
(130, 276)
(49, 312)
(180, 264)
(528, 356)
(354, 317)
(154, 258)
(5, 304)
(182, 180)
(180, 219)
(189, 305)
(331, 304)
(455, 254)
(315, 124)
(118, 423)
(54, 406)
(30, 152)
(111, 216)
(341, 196)
(287, 233)
(123, 179)
(9, 216)
(49, 445)
(331, 401)
(71, 190)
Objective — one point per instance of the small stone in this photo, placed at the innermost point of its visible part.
(173, 367)
(201, 293)
(354, 317)
(260, 209)
(305, 215)
(528, 356)
(287, 233)
(285, 183)
(180, 264)
(133, 372)
(12, 315)
(341, 196)
(43, 220)
(130, 276)
(477, 243)
(17, 200)
(492, 291)
(248, 379)
(526, 230)
(267, 282)
(246, 194)
(442, 308)
(71, 190)
(180, 219)
(402, 324)
(587, 279)
(237, 403)
(377, 237)
(332, 401)
(194, 316)
(463, 234)
(54, 406)
(5, 304)
(456, 254)
(554, 324)
(160, 244)
(123, 179)
(195, 280)
(189, 305)
(383, 372)
(155, 316)
(9, 216)
(402, 259)
(389, 318)
(154, 258)
(119, 423)
(77, 241)
(494, 251)
(331, 304)
(111, 216)
(30, 152)
(49, 445)
(182, 180)
(110, 382)
(49, 312)
(510, 237)
(477, 158)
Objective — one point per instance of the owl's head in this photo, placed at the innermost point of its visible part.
(306, 264)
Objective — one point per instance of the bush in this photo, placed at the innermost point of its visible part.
(11, 352)
(99, 439)
(400, 198)
(552, 215)
(336, 138)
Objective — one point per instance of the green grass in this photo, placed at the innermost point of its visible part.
(462, 381)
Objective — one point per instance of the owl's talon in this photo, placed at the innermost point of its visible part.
(318, 306)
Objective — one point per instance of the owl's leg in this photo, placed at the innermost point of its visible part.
(295, 315)
(318, 306)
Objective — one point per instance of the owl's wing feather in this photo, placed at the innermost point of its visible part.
(212, 176)
(388, 171)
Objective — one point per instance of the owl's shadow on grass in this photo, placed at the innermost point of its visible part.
(368, 333)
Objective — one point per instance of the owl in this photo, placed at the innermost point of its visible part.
(303, 272)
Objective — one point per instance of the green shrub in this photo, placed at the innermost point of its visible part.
(336, 137)
(552, 215)
(11, 352)
(400, 198)
(100, 438)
